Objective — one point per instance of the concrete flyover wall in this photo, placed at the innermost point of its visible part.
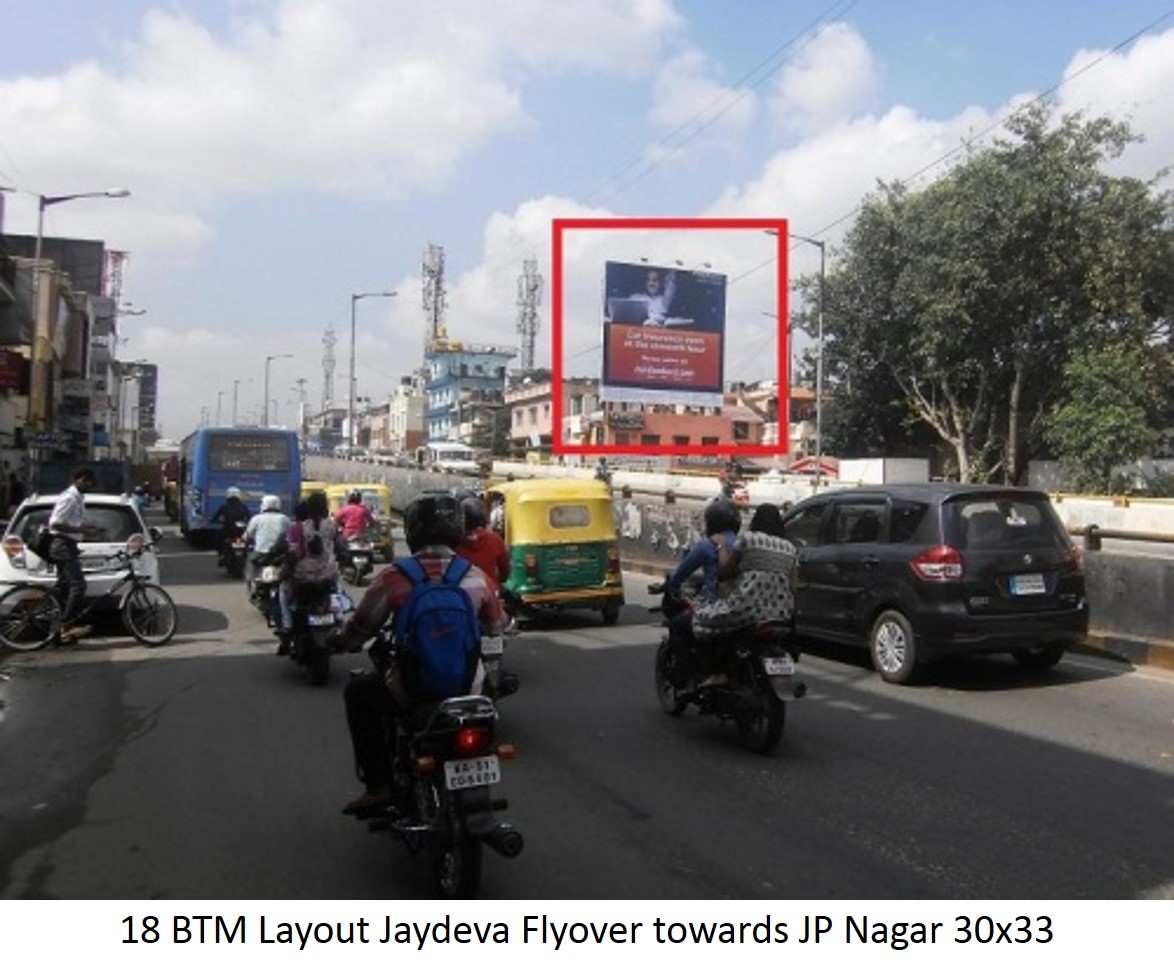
(1131, 592)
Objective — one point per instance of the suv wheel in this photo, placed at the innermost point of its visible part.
(1039, 658)
(894, 648)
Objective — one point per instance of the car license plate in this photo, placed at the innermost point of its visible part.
(93, 564)
(320, 619)
(1027, 584)
(782, 666)
(485, 770)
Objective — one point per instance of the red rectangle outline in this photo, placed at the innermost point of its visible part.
(777, 225)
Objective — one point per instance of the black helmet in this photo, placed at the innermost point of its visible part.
(433, 519)
(354, 497)
(474, 512)
(722, 515)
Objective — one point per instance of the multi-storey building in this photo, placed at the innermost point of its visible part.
(464, 387)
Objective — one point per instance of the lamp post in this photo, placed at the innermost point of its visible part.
(236, 388)
(269, 358)
(219, 402)
(822, 246)
(47, 201)
(355, 297)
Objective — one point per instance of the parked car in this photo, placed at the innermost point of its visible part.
(919, 572)
(115, 521)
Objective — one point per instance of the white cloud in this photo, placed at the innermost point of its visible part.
(833, 78)
(687, 100)
(1135, 85)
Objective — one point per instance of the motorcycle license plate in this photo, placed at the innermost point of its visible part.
(782, 666)
(320, 619)
(485, 770)
(1027, 584)
(492, 646)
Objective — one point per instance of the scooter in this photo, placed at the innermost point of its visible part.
(319, 609)
(235, 550)
(356, 559)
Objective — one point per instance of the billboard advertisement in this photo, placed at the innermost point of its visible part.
(663, 335)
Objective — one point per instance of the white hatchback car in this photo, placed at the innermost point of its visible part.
(118, 528)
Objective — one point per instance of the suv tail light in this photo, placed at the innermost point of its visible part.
(941, 563)
(1075, 562)
(14, 549)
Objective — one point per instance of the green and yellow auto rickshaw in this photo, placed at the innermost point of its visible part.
(564, 551)
(377, 496)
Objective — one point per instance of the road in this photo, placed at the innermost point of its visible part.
(210, 769)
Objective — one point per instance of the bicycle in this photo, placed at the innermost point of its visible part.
(30, 613)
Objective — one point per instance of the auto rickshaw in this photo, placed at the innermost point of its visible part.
(564, 551)
(309, 487)
(377, 496)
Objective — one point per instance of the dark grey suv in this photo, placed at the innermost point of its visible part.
(918, 572)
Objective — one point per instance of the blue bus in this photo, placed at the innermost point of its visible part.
(255, 460)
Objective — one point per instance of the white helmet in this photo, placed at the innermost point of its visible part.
(232, 492)
(271, 502)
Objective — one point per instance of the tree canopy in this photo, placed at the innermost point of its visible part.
(963, 315)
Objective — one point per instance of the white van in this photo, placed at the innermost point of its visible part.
(447, 457)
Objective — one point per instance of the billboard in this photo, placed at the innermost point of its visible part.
(680, 361)
(663, 335)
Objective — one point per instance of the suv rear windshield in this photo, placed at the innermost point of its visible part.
(113, 524)
(996, 523)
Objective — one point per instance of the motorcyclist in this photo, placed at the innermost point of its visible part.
(714, 556)
(374, 700)
(266, 532)
(354, 517)
(310, 559)
(483, 547)
(763, 588)
(230, 513)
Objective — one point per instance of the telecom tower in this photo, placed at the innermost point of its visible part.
(328, 362)
(529, 295)
(435, 300)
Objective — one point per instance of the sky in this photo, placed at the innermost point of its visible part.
(284, 155)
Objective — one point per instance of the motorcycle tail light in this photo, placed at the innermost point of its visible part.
(472, 740)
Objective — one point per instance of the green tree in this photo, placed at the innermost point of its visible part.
(953, 310)
(1115, 397)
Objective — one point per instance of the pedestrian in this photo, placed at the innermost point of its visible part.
(5, 503)
(67, 524)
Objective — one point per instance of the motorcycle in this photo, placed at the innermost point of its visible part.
(235, 549)
(446, 760)
(264, 583)
(356, 559)
(758, 670)
(318, 611)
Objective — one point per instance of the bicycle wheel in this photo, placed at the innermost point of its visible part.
(149, 614)
(30, 616)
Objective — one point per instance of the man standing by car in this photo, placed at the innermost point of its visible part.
(67, 524)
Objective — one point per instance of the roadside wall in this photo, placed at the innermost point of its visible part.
(1130, 594)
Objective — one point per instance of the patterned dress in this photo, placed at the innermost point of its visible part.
(761, 590)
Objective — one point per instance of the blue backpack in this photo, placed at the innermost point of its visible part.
(437, 631)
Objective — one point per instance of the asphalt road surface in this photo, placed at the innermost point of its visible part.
(211, 769)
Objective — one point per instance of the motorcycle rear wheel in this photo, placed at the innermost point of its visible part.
(760, 729)
(317, 663)
(666, 692)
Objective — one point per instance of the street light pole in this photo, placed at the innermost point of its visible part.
(269, 358)
(355, 297)
(219, 402)
(236, 387)
(47, 201)
(822, 246)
